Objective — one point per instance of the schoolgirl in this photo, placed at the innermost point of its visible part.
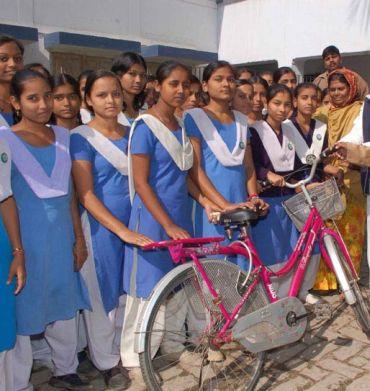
(132, 72)
(309, 137)
(11, 265)
(243, 97)
(100, 169)
(286, 76)
(260, 87)
(67, 102)
(51, 232)
(85, 113)
(223, 163)
(160, 156)
(11, 60)
(275, 155)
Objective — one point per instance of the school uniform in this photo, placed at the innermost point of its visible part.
(313, 142)
(125, 120)
(7, 302)
(103, 270)
(54, 292)
(85, 115)
(223, 149)
(275, 234)
(171, 156)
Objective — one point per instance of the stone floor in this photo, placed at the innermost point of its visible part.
(333, 355)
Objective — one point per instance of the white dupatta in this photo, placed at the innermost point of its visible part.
(123, 120)
(182, 154)
(216, 143)
(43, 185)
(281, 155)
(116, 157)
(301, 147)
(5, 170)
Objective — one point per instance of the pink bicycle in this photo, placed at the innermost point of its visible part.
(208, 324)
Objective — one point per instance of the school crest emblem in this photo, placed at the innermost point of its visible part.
(4, 157)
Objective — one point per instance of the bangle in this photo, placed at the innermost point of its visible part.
(18, 250)
(253, 196)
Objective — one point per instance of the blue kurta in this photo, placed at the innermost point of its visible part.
(7, 297)
(54, 291)
(229, 181)
(143, 269)
(275, 234)
(111, 187)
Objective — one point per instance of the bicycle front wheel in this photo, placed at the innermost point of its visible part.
(179, 353)
(360, 306)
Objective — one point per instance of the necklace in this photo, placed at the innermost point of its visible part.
(168, 122)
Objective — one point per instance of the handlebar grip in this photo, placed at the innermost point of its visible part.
(327, 152)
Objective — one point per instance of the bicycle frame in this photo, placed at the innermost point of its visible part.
(313, 231)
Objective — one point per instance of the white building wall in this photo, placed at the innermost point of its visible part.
(190, 24)
(263, 30)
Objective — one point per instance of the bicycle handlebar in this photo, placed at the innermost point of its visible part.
(313, 161)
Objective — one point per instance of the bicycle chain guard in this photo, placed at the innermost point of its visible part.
(274, 325)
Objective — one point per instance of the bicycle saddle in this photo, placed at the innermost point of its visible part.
(238, 216)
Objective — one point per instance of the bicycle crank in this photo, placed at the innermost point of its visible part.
(274, 325)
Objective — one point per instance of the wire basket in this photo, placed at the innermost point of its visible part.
(326, 197)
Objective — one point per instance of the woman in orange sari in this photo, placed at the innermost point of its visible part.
(344, 109)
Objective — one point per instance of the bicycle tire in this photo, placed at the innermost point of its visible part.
(360, 308)
(158, 378)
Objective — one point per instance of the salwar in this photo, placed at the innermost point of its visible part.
(6, 370)
(61, 336)
(102, 329)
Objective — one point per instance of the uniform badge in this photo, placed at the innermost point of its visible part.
(319, 137)
(290, 146)
(241, 145)
(4, 157)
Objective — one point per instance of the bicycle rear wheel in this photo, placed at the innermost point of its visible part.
(179, 353)
(360, 306)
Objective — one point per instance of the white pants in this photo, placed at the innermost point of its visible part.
(41, 350)
(61, 336)
(103, 331)
(171, 316)
(134, 307)
(6, 371)
(282, 284)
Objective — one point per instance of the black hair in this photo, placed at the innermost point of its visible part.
(194, 80)
(63, 79)
(330, 50)
(8, 39)
(150, 78)
(241, 70)
(19, 79)
(93, 77)
(33, 67)
(243, 82)
(337, 76)
(302, 86)
(325, 92)
(267, 73)
(122, 65)
(280, 72)
(212, 67)
(259, 80)
(164, 70)
(83, 75)
(276, 89)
